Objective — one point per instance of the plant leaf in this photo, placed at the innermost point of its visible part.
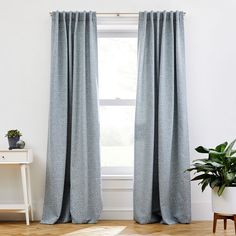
(221, 189)
(205, 168)
(202, 160)
(233, 152)
(232, 160)
(215, 164)
(202, 149)
(216, 156)
(190, 169)
(221, 147)
(230, 177)
(215, 183)
(204, 185)
(203, 176)
(229, 148)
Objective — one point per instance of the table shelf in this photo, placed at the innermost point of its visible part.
(5, 207)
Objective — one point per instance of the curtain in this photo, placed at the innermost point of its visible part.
(73, 161)
(161, 188)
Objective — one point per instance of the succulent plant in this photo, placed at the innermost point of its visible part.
(13, 133)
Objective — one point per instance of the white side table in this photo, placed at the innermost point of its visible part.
(21, 158)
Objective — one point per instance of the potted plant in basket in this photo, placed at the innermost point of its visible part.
(13, 137)
(219, 172)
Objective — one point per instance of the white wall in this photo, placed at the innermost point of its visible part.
(25, 66)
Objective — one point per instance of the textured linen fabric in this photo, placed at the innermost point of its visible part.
(73, 190)
(161, 188)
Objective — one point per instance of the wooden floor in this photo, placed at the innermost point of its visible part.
(111, 228)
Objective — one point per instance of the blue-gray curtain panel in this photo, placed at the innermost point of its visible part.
(73, 190)
(161, 188)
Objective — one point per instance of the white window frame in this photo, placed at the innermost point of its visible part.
(117, 27)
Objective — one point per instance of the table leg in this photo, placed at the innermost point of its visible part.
(29, 193)
(225, 224)
(235, 223)
(214, 222)
(25, 192)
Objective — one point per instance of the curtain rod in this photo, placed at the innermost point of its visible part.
(116, 13)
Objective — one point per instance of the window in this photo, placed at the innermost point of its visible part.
(117, 91)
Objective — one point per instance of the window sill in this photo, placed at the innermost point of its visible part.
(117, 177)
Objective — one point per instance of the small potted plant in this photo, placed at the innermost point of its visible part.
(13, 137)
(219, 172)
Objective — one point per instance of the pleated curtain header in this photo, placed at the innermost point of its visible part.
(75, 15)
(160, 15)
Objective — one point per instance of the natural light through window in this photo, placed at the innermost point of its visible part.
(117, 91)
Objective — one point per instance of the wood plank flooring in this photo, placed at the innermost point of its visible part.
(112, 228)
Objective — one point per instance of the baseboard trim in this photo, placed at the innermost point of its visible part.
(118, 210)
(117, 214)
(201, 211)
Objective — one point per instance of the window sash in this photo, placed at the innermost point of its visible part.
(111, 28)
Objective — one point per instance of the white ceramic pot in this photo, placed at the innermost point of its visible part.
(226, 203)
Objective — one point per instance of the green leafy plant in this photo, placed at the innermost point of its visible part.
(13, 133)
(218, 170)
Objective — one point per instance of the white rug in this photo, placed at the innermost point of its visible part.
(98, 231)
